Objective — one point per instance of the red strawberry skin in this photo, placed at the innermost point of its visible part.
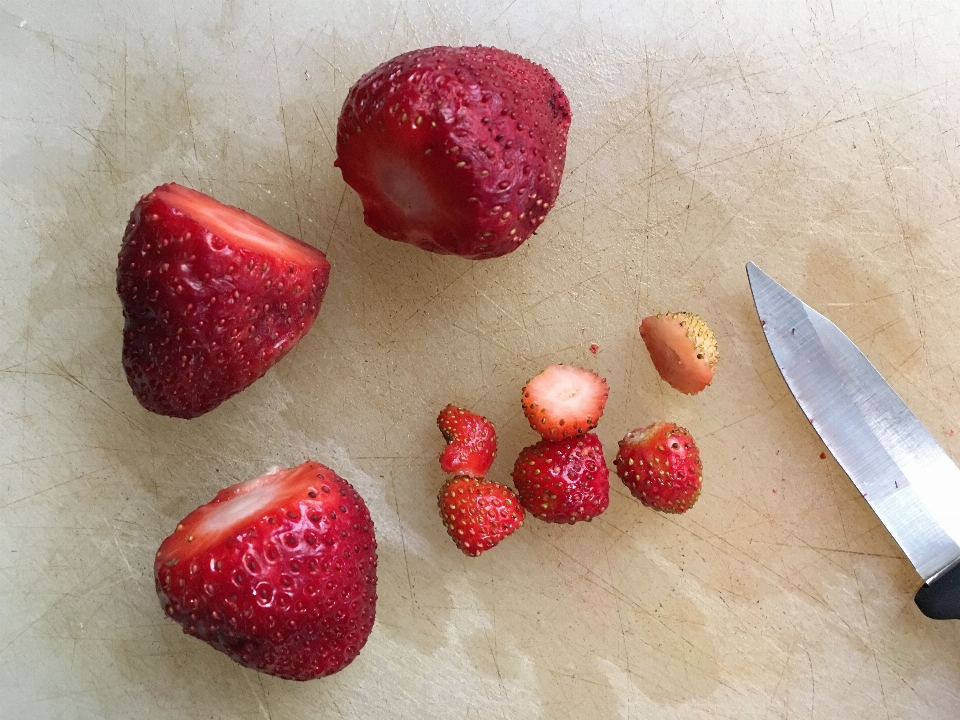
(212, 298)
(455, 150)
(471, 442)
(478, 514)
(279, 573)
(660, 464)
(563, 481)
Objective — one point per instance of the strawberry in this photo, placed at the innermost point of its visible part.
(212, 298)
(478, 514)
(683, 349)
(456, 150)
(564, 401)
(278, 572)
(471, 442)
(660, 464)
(564, 481)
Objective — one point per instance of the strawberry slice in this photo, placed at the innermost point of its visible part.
(212, 298)
(455, 150)
(478, 514)
(471, 442)
(683, 350)
(563, 481)
(660, 464)
(278, 572)
(564, 401)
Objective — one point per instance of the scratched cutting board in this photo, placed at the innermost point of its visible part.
(818, 139)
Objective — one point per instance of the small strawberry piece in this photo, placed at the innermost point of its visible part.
(683, 349)
(455, 150)
(661, 466)
(564, 401)
(212, 298)
(478, 514)
(564, 481)
(471, 442)
(278, 572)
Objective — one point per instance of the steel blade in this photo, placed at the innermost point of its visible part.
(905, 476)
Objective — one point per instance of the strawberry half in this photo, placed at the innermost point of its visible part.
(565, 481)
(455, 150)
(683, 349)
(212, 298)
(478, 514)
(660, 464)
(564, 401)
(278, 572)
(471, 442)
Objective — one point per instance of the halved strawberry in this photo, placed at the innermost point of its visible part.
(278, 572)
(212, 297)
(683, 349)
(471, 442)
(564, 401)
(455, 150)
(563, 481)
(478, 514)
(660, 464)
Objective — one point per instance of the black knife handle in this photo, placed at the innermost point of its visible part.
(940, 599)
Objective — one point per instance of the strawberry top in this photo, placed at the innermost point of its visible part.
(683, 349)
(243, 230)
(456, 150)
(564, 401)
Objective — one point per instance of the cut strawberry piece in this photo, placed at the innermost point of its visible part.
(683, 350)
(278, 572)
(564, 401)
(455, 150)
(478, 514)
(660, 464)
(212, 298)
(471, 442)
(565, 481)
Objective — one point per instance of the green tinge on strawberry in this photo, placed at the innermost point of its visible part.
(564, 401)
(660, 464)
(683, 349)
(471, 442)
(455, 150)
(478, 514)
(278, 572)
(212, 298)
(566, 481)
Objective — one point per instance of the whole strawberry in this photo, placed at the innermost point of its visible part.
(456, 150)
(478, 514)
(661, 465)
(563, 481)
(278, 572)
(212, 298)
(471, 442)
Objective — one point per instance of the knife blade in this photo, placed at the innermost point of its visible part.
(906, 477)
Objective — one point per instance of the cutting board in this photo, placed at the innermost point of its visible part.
(818, 139)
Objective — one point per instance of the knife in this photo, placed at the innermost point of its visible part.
(901, 471)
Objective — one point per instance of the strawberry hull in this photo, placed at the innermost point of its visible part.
(209, 306)
(279, 573)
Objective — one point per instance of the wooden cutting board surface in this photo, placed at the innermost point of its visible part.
(818, 139)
